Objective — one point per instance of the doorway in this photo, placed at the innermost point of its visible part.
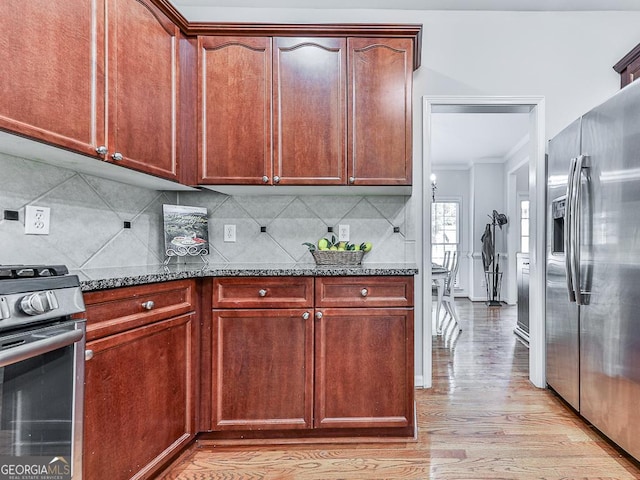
(534, 106)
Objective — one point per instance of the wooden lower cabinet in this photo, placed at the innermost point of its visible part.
(341, 365)
(262, 369)
(363, 368)
(140, 379)
(138, 400)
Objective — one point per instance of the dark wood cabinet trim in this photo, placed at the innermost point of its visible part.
(413, 31)
(625, 68)
(187, 121)
(627, 59)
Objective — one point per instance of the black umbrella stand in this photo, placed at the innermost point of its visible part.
(491, 261)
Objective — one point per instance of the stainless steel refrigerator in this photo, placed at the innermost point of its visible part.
(593, 267)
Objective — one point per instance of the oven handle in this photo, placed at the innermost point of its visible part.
(39, 347)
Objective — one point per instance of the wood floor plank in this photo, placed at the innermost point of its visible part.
(482, 419)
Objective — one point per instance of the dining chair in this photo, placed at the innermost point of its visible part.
(448, 297)
(447, 260)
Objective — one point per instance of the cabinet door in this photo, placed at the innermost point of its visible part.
(363, 368)
(50, 81)
(234, 100)
(380, 93)
(310, 111)
(142, 87)
(139, 399)
(263, 369)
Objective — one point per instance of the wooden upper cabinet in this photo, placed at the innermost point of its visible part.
(142, 87)
(309, 77)
(234, 115)
(50, 80)
(629, 67)
(380, 114)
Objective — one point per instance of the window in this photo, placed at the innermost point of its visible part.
(445, 229)
(524, 226)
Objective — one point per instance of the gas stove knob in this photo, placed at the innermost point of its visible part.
(39, 303)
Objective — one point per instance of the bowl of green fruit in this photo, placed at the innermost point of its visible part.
(331, 252)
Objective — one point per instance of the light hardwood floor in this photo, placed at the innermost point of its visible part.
(481, 420)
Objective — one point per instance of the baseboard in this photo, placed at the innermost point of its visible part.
(477, 299)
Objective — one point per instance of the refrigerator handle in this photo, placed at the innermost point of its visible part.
(575, 237)
(568, 228)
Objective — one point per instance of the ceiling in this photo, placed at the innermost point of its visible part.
(507, 5)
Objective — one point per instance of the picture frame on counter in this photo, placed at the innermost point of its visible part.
(186, 231)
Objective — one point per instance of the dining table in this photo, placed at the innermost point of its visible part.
(438, 276)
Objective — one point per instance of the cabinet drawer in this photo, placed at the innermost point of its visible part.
(261, 292)
(361, 291)
(120, 309)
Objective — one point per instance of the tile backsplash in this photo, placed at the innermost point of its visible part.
(88, 215)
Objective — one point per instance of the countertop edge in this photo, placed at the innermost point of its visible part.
(91, 281)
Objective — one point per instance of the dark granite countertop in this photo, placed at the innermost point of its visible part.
(104, 278)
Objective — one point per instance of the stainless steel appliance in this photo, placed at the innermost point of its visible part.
(593, 267)
(41, 368)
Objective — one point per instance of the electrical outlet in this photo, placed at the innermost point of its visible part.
(36, 220)
(343, 233)
(229, 234)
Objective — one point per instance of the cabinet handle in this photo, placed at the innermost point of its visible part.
(276, 179)
(305, 316)
(352, 180)
(364, 292)
(117, 156)
(88, 354)
(318, 315)
(148, 305)
(265, 179)
(102, 150)
(262, 292)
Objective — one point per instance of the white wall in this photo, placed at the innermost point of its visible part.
(517, 175)
(488, 186)
(564, 56)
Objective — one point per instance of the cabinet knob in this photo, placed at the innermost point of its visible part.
(102, 150)
(352, 180)
(117, 156)
(265, 179)
(318, 315)
(305, 316)
(364, 292)
(148, 305)
(88, 354)
(262, 292)
(276, 179)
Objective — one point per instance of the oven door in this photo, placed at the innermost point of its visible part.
(41, 395)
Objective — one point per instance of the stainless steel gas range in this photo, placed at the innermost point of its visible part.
(41, 372)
